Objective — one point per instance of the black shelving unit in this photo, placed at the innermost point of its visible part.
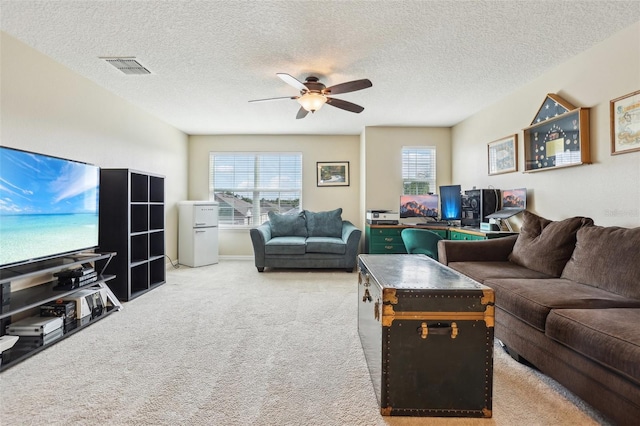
(132, 223)
(19, 302)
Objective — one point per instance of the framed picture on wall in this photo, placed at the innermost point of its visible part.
(503, 155)
(625, 123)
(333, 173)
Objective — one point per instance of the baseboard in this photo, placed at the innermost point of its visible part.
(171, 262)
(236, 257)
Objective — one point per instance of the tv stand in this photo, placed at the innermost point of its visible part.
(21, 301)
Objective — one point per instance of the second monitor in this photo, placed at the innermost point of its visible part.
(451, 202)
(419, 206)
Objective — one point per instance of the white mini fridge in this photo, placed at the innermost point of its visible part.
(197, 233)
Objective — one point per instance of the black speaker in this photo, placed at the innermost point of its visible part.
(477, 204)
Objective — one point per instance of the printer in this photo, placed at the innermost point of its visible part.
(382, 217)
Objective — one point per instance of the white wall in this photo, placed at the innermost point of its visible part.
(236, 242)
(607, 190)
(382, 154)
(47, 108)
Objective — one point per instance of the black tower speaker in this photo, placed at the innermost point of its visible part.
(477, 204)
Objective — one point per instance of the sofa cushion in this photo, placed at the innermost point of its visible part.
(480, 271)
(285, 225)
(544, 245)
(608, 258)
(326, 245)
(607, 336)
(324, 224)
(531, 300)
(285, 245)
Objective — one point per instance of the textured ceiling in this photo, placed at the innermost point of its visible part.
(432, 63)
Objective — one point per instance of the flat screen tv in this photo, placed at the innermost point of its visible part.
(421, 206)
(451, 202)
(48, 206)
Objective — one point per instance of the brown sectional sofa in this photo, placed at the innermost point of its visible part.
(568, 302)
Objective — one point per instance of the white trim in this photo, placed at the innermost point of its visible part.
(236, 257)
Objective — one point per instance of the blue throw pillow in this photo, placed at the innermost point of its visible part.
(324, 224)
(286, 225)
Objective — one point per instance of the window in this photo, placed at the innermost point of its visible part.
(250, 185)
(418, 169)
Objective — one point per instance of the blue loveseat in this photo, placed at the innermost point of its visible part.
(306, 240)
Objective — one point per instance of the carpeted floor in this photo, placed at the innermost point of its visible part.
(226, 345)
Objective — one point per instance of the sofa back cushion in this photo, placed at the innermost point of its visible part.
(607, 258)
(324, 224)
(285, 225)
(544, 245)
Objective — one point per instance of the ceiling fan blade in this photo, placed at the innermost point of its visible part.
(350, 86)
(292, 81)
(274, 99)
(302, 113)
(347, 106)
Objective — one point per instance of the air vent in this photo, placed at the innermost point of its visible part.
(128, 65)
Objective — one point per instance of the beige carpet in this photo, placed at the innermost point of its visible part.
(225, 345)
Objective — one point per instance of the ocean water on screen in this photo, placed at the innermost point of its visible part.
(25, 237)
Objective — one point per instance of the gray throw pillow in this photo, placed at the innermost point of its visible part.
(544, 245)
(324, 224)
(286, 225)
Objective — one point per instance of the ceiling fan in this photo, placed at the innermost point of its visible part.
(313, 94)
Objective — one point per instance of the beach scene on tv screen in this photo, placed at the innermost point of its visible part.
(48, 206)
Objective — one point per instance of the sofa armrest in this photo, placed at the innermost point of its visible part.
(259, 238)
(348, 229)
(493, 250)
(351, 236)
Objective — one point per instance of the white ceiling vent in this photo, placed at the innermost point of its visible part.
(128, 65)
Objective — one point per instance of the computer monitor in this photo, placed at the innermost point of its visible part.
(451, 202)
(420, 206)
(514, 198)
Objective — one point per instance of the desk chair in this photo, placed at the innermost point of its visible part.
(421, 241)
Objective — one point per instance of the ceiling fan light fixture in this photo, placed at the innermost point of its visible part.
(313, 94)
(312, 101)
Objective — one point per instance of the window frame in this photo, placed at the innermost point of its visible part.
(257, 187)
(411, 177)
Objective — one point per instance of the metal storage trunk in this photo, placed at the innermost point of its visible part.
(427, 336)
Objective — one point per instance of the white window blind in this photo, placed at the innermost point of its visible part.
(418, 169)
(250, 185)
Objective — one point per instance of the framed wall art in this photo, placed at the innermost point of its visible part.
(333, 173)
(503, 155)
(625, 123)
(557, 140)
